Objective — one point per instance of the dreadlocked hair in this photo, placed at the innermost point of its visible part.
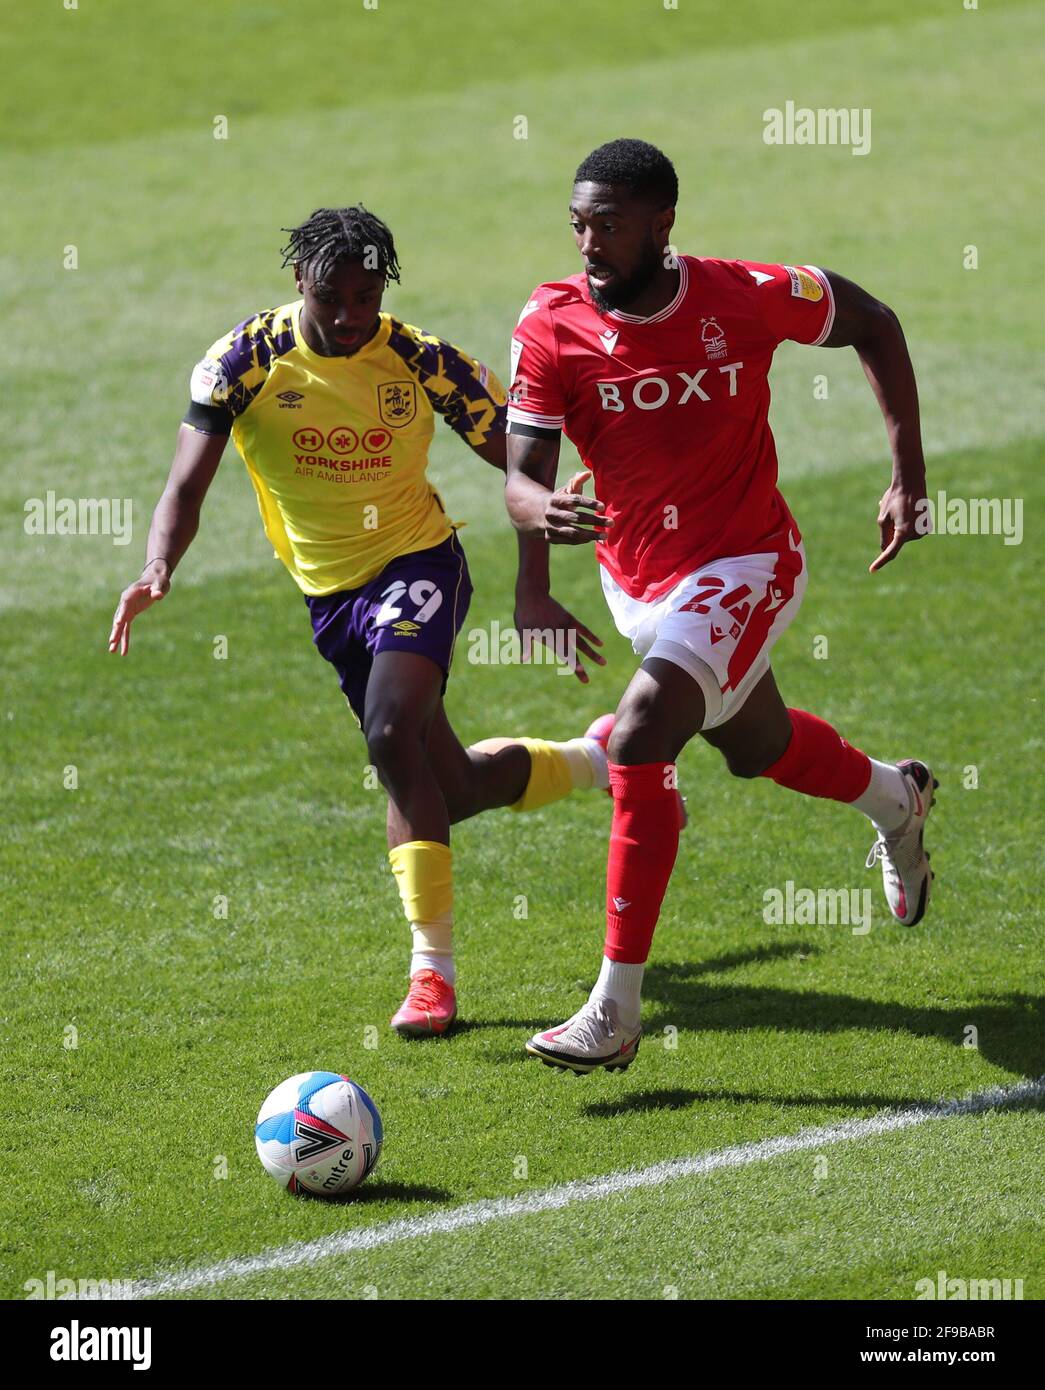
(337, 234)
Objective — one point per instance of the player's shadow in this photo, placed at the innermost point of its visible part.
(1010, 1027)
(679, 1099)
(529, 1026)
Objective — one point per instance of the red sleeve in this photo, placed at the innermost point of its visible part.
(535, 392)
(795, 301)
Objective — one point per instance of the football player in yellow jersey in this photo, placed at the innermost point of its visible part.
(331, 404)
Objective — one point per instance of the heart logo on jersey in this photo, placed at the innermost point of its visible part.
(376, 440)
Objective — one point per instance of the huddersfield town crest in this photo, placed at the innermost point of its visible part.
(397, 402)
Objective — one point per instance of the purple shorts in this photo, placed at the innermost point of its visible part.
(416, 604)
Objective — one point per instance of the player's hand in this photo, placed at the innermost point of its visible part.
(537, 612)
(900, 519)
(570, 518)
(142, 594)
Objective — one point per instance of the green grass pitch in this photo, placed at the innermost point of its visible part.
(245, 777)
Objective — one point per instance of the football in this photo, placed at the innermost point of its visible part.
(318, 1132)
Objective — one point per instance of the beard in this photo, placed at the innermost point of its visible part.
(623, 292)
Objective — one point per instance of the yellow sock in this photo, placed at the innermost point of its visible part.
(423, 872)
(553, 773)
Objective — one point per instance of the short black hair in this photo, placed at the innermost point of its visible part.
(642, 168)
(341, 234)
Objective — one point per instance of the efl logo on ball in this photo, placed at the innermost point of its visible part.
(319, 1132)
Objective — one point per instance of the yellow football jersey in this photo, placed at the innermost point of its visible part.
(337, 447)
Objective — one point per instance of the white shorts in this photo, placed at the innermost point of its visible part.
(719, 623)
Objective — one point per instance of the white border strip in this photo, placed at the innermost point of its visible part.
(821, 275)
(518, 416)
(567, 1194)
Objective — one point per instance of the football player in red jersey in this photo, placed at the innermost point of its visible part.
(656, 366)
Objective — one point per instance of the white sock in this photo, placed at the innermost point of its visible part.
(887, 800)
(623, 984)
(443, 963)
(587, 761)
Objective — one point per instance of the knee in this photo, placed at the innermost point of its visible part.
(393, 745)
(636, 737)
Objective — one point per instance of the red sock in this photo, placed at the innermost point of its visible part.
(819, 762)
(643, 843)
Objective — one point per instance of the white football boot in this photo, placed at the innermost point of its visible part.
(905, 864)
(592, 1038)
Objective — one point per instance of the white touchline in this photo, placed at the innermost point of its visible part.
(583, 1190)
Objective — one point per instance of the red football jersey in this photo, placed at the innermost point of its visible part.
(671, 412)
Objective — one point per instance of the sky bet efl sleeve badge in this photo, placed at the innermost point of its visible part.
(397, 402)
(804, 285)
(208, 384)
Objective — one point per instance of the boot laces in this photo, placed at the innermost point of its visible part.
(427, 990)
(592, 1025)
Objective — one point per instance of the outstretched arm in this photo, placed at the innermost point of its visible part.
(864, 323)
(174, 524)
